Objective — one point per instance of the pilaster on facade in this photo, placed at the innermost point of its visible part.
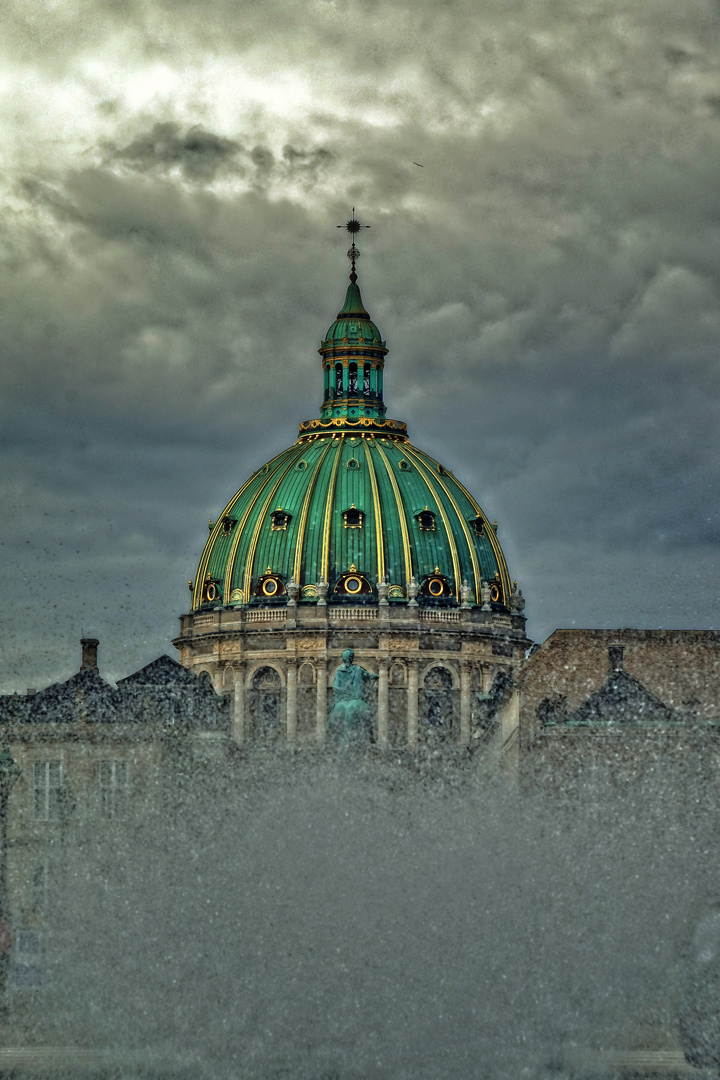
(465, 703)
(239, 702)
(291, 698)
(412, 702)
(382, 703)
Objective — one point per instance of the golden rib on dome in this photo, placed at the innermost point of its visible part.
(443, 515)
(250, 557)
(207, 550)
(297, 566)
(494, 542)
(471, 546)
(401, 514)
(239, 532)
(328, 510)
(378, 513)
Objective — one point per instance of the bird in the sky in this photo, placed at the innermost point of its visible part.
(418, 165)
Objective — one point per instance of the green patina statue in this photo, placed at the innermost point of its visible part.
(351, 718)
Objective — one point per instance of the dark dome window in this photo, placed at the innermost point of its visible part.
(301, 465)
(269, 586)
(210, 591)
(477, 525)
(227, 525)
(279, 520)
(353, 583)
(353, 379)
(353, 463)
(353, 518)
(426, 520)
(436, 586)
(404, 466)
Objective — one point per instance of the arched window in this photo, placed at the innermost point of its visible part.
(437, 686)
(269, 586)
(477, 524)
(265, 702)
(436, 586)
(353, 583)
(338, 381)
(366, 380)
(352, 379)
(426, 520)
(210, 591)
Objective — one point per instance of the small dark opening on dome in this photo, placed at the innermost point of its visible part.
(353, 518)
(279, 520)
(426, 520)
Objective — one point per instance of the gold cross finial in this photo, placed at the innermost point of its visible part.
(353, 226)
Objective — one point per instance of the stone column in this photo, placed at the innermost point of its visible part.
(382, 699)
(320, 701)
(412, 703)
(465, 702)
(291, 695)
(239, 705)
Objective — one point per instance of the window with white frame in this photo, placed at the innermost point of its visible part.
(113, 787)
(47, 785)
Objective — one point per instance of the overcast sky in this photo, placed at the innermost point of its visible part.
(548, 284)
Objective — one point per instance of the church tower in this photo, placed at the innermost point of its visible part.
(354, 538)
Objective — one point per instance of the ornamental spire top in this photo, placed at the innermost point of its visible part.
(353, 226)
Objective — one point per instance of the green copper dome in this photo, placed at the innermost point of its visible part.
(352, 511)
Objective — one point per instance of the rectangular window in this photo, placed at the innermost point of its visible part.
(28, 959)
(47, 784)
(113, 787)
(40, 889)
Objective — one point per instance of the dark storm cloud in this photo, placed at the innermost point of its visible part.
(201, 157)
(198, 153)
